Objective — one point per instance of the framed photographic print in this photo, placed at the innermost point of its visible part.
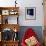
(30, 13)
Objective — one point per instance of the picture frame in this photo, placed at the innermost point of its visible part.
(5, 12)
(30, 13)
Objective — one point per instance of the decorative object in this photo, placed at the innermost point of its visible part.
(6, 21)
(7, 34)
(5, 12)
(13, 12)
(15, 3)
(30, 13)
(30, 38)
(31, 41)
(15, 37)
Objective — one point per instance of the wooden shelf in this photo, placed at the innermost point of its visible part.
(9, 43)
(3, 8)
(9, 9)
(4, 13)
(11, 26)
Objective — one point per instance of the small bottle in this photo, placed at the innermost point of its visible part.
(14, 39)
(14, 36)
(6, 21)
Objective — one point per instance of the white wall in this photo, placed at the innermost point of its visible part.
(27, 3)
(39, 12)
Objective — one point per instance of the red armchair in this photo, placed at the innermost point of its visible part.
(28, 34)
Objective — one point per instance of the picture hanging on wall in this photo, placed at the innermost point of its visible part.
(30, 13)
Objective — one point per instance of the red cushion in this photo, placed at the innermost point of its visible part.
(29, 33)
